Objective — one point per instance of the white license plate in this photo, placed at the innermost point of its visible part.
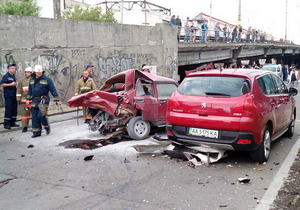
(204, 132)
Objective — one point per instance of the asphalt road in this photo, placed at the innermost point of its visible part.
(50, 176)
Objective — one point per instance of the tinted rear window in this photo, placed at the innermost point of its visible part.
(214, 86)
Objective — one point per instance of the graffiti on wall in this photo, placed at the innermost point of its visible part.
(65, 68)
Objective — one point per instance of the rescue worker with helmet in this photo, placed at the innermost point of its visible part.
(84, 85)
(22, 92)
(9, 84)
(39, 87)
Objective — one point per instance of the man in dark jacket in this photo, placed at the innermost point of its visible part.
(179, 24)
(39, 87)
(9, 84)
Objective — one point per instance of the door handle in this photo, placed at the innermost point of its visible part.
(140, 100)
(162, 100)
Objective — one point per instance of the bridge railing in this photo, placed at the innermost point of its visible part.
(209, 35)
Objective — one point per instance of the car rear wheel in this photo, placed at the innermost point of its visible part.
(138, 129)
(263, 152)
(290, 131)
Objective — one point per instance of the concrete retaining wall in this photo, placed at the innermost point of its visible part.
(65, 47)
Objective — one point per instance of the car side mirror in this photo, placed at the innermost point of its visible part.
(293, 91)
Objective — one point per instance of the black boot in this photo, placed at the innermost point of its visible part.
(24, 130)
(35, 135)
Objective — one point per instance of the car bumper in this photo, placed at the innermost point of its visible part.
(227, 140)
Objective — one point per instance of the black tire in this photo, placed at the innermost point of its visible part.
(263, 152)
(290, 131)
(138, 129)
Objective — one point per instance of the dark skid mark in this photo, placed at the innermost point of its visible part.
(89, 144)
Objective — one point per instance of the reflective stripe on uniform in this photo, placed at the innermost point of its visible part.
(18, 95)
(25, 117)
(26, 88)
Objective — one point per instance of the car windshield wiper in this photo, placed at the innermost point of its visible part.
(216, 94)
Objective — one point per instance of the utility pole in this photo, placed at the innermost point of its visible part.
(239, 22)
(56, 9)
(286, 9)
(122, 12)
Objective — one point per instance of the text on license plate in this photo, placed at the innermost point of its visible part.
(204, 132)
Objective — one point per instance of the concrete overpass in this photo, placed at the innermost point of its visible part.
(192, 55)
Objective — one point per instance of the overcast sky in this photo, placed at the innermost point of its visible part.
(266, 15)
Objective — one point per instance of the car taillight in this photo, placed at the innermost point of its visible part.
(244, 141)
(173, 105)
(245, 104)
(170, 133)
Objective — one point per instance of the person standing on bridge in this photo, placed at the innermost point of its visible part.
(204, 28)
(22, 92)
(234, 34)
(9, 83)
(38, 95)
(186, 28)
(217, 32)
(179, 24)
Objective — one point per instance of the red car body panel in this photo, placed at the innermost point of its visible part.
(126, 95)
(248, 113)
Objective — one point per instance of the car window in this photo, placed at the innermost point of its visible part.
(144, 88)
(140, 89)
(280, 86)
(214, 86)
(269, 68)
(165, 89)
(266, 84)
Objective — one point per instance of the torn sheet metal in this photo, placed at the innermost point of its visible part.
(205, 155)
(195, 155)
(158, 145)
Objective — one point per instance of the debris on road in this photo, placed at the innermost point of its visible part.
(90, 157)
(244, 180)
(30, 146)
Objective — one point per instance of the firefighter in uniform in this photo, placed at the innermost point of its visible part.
(84, 85)
(9, 83)
(39, 87)
(22, 92)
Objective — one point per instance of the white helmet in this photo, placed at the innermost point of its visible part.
(38, 68)
(28, 69)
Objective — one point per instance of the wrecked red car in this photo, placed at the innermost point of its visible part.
(131, 101)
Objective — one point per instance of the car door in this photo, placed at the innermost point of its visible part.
(164, 91)
(145, 101)
(275, 107)
(284, 99)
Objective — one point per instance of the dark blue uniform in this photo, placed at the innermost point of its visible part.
(11, 106)
(38, 92)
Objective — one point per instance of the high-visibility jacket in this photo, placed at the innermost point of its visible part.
(22, 89)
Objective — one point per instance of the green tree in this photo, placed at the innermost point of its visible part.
(90, 14)
(24, 8)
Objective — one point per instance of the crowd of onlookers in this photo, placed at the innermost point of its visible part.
(218, 32)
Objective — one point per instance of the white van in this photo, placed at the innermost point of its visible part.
(276, 68)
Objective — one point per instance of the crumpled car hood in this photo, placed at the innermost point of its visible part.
(96, 99)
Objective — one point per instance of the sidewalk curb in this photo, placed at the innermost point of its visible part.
(53, 118)
(270, 195)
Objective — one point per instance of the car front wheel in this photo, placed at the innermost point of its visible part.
(263, 152)
(138, 129)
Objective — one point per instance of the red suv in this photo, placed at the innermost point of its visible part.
(231, 109)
